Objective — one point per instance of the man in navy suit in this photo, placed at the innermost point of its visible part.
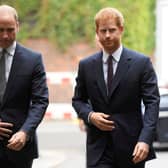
(24, 99)
(108, 98)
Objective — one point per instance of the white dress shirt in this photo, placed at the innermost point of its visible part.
(116, 58)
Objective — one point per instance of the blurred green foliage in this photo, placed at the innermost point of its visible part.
(70, 21)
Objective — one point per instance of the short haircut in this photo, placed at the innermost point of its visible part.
(109, 13)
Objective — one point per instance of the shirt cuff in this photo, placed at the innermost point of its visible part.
(89, 117)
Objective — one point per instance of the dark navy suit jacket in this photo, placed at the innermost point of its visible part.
(134, 81)
(25, 100)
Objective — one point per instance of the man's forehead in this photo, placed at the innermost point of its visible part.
(6, 16)
(7, 25)
(7, 19)
(107, 23)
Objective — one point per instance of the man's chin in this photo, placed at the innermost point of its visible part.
(5, 45)
(109, 47)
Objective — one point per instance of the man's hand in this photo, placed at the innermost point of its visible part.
(141, 151)
(17, 141)
(82, 125)
(5, 130)
(101, 121)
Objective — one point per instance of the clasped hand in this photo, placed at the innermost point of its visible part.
(17, 140)
(5, 130)
(101, 121)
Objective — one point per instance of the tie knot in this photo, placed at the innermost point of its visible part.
(4, 51)
(110, 59)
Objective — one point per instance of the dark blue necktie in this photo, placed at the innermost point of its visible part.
(109, 73)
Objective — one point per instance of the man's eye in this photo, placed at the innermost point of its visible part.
(103, 31)
(112, 30)
(1, 30)
(10, 30)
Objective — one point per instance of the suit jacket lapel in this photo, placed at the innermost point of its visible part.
(98, 71)
(13, 72)
(122, 69)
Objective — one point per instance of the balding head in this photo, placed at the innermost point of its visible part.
(6, 9)
(9, 25)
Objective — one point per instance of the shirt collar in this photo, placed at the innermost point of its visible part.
(11, 49)
(116, 54)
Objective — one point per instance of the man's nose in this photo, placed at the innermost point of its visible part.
(107, 33)
(5, 34)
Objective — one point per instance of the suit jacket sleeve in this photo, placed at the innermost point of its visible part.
(80, 98)
(39, 98)
(151, 98)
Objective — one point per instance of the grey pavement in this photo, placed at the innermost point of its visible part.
(160, 162)
(62, 145)
(53, 159)
(49, 159)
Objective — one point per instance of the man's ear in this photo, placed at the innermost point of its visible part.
(98, 43)
(17, 24)
(121, 29)
(96, 31)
